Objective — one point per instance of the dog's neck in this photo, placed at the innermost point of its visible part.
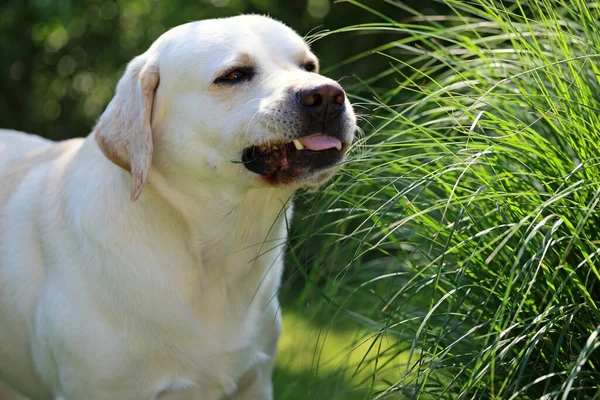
(217, 219)
(223, 219)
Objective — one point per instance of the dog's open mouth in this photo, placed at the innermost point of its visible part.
(282, 163)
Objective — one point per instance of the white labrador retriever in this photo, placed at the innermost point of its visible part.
(172, 295)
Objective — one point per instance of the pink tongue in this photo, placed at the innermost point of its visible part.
(321, 142)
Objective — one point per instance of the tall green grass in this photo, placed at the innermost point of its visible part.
(461, 240)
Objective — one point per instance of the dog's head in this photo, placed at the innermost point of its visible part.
(239, 100)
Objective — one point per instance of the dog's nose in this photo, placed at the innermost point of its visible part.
(327, 97)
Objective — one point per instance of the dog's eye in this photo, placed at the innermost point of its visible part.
(310, 66)
(236, 75)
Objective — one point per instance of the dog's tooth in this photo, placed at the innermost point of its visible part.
(299, 146)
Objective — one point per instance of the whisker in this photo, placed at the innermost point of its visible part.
(310, 32)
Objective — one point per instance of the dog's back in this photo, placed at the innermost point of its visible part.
(15, 144)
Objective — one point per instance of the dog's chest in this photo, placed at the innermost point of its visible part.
(194, 310)
(207, 347)
(231, 323)
(241, 265)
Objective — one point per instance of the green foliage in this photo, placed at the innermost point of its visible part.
(466, 224)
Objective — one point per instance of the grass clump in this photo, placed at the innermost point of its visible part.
(466, 225)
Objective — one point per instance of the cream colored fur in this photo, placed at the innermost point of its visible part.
(173, 295)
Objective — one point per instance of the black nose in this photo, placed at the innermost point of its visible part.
(326, 97)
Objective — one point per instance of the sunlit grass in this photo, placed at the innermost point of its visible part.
(326, 363)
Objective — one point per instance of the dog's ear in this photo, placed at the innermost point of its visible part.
(124, 131)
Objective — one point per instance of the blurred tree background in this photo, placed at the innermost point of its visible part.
(60, 59)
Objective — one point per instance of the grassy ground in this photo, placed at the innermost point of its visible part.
(329, 363)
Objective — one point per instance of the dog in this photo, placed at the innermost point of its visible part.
(144, 261)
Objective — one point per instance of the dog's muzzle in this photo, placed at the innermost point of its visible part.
(322, 109)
